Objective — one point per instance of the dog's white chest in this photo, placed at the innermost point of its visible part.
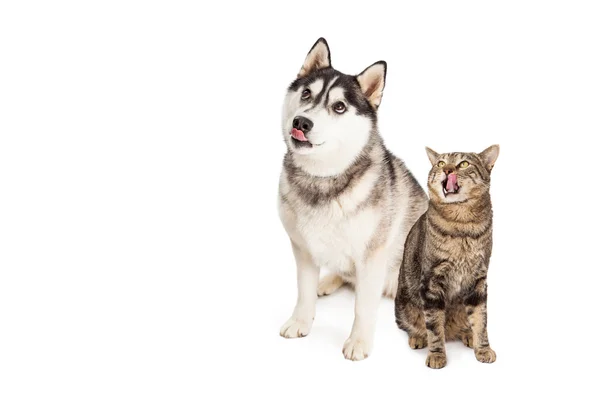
(334, 240)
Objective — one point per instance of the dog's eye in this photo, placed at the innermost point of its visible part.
(339, 107)
(306, 94)
(441, 164)
(464, 164)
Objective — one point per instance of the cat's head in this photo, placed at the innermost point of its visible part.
(459, 177)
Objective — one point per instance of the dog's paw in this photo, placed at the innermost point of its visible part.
(485, 355)
(467, 339)
(295, 328)
(356, 349)
(417, 342)
(436, 360)
(329, 284)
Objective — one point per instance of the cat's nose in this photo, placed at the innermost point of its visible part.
(448, 169)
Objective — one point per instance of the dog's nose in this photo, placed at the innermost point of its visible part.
(448, 169)
(303, 124)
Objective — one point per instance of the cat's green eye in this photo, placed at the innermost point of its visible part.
(441, 164)
(464, 164)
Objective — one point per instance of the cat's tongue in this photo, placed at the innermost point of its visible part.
(452, 183)
(298, 135)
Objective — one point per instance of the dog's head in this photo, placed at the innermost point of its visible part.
(328, 114)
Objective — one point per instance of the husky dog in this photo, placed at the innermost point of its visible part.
(345, 201)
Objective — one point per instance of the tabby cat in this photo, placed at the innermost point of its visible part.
(442, 288)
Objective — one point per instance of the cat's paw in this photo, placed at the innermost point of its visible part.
(485, 355)
(417, 342)
(329, 284)
(295, 328)
(356, 349)
(467, 339)
(436, 360)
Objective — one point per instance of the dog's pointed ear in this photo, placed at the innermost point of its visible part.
(372, 82)
(317, 58)
(433, 156)
(489, 156)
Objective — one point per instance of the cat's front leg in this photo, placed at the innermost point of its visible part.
(370, 277)
(476, 304)
(433, 297)
(301, 321)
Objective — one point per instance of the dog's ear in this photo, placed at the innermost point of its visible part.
(489, 156)
(433, 156)
(372, 82)
(318, 57)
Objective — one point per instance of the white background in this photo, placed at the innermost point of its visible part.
(141, 255)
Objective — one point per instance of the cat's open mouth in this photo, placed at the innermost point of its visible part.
(450, 185)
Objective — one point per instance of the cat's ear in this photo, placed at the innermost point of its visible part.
(433, 156)
(489, 156)
(372, 82)
(317, 58)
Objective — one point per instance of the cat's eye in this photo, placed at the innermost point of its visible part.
(306, 94)
(441, 164)
(464, 164)
(339, 107)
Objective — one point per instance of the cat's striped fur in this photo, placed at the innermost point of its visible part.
(442, 287)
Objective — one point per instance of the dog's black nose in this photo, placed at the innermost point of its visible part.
(303, 124)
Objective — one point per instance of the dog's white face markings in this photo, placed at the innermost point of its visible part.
(293, 106)
(342, 136)
(318, 111)
(316, 87)
(336, 138)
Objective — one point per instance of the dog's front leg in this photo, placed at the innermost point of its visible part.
(369, 285)
(301, 320)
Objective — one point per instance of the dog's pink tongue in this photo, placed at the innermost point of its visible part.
(451, 183)
(299, 135)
